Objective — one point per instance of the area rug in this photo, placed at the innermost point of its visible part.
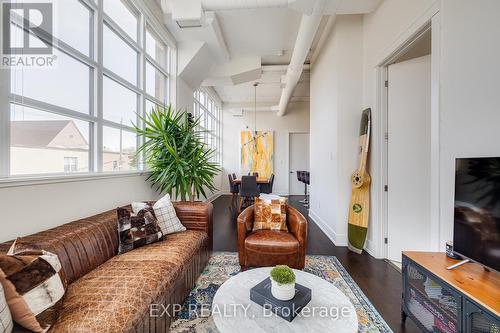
(223, 265)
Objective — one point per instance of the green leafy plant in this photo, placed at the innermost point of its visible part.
(174, 152)
(282, 274)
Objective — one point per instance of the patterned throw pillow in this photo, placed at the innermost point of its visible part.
(167, 218)
(34, 286)
(137, 231)
(270, 215)
(138, 206)
(6, 323)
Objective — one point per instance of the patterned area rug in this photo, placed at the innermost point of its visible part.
(223, 265)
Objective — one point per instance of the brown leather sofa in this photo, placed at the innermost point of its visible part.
(269, 247)
(118, 293)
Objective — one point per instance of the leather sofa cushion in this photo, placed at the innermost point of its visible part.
(271, 241)
(116, 296)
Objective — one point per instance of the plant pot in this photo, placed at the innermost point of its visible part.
(283, 292)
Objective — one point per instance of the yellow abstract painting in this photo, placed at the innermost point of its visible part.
(257, 154)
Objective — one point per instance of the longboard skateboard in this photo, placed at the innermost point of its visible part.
(359, 207)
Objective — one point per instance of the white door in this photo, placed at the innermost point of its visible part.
(299, 160)
(409, 156)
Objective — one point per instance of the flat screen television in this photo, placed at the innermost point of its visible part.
(476, 230)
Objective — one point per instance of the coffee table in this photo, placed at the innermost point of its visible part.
(328, 311)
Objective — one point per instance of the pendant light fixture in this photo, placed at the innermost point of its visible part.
(255, 133)
(254, 138)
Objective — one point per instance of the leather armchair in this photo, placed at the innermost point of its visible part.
(263, 248)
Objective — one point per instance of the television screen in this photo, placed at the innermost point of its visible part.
(476, 231)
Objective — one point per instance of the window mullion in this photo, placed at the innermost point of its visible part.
(5, 123)
(50, 108)
(109, 123)
(155, 64)
(154, 99)
(92, 94)
(98, 148)
(120, 80)
(141, 69)
(90, 4)
(121, 33)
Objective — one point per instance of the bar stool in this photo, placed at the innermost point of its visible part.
(306, 182)
(301, 178)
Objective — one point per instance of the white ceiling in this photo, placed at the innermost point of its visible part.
(268, 90)
(261, 32)
(267, 34)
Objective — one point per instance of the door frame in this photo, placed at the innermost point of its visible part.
(288, 159)
(430, 20)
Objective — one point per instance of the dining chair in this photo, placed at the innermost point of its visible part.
(256, 174)
(268, 187)
(233, 188)
(248, 191)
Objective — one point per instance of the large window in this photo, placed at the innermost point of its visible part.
(77, 117)
(206, 107)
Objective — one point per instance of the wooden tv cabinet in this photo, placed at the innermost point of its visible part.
(465, 299)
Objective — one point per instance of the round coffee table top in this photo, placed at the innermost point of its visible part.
(328, 311)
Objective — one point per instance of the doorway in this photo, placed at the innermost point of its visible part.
(298, 161)
(409, 149)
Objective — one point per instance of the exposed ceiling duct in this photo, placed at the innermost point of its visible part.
(189, 18)
(243, 4)
(307, 30)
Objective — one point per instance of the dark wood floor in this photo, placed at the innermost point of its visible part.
(380, 281)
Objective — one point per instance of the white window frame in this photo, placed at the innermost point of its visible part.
(214, 133)
(95, 62)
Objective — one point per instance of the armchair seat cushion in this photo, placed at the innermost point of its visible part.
(271, 242)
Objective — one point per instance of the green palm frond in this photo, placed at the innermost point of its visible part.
(180, 163)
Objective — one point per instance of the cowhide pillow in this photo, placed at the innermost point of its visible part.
(34, 286)
(137, 231)
(270, 215)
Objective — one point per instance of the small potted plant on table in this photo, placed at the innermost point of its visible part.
(282, 283)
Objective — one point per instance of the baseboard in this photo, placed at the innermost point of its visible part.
(337, 239)
(369, 248)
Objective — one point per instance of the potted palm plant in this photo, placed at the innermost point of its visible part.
(181, 164)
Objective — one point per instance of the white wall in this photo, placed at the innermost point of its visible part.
(382, 29)
(468, 88)
(469, 91)
(33, 208)
(184, 96)
(295, 120)
(336, 101)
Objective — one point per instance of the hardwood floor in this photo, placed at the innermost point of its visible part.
(379, 280)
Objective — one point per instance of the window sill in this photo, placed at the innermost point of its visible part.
(55, 179)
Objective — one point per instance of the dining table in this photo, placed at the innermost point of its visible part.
(260, 180)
